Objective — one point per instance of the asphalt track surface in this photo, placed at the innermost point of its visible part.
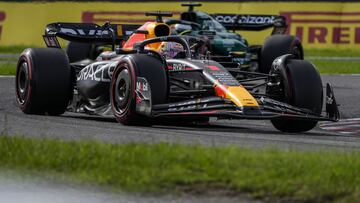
(247, 133)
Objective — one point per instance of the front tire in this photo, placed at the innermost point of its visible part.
(300, 86)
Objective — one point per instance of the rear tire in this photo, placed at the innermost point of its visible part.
(78, 51)
(278, 45)
(43, 81)
(123, 86)
(300, 86)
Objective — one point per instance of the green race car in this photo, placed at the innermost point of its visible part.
(229, 47)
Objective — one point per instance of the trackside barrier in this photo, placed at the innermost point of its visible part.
(318, 25)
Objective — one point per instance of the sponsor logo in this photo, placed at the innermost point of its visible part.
(83, 32)
(2, 18)
(189, 105)
(178, 67)
(324, 27)
(142, 86)
(119, 17)
(244, 19)
(99, 71)
(329, 99)
(143, 96)
(188, 108)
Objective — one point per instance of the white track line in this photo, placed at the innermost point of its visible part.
(349, 126)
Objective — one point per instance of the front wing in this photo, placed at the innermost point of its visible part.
(224, 108)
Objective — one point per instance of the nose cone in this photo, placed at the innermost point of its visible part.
(237, 94)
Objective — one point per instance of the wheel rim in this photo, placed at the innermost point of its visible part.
(277, 92)
(122, 90)
(23, 82)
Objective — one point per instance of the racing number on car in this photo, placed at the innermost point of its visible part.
(2, 18)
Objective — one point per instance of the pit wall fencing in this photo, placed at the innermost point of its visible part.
(319, 25)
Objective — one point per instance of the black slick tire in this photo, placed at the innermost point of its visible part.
(123, 86)
(278, 45)
(78, 51)
(301, 86)
(43, 81)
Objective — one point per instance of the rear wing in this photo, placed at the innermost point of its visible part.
(87, 32)
(252, 22)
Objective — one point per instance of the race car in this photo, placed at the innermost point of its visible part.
(226, 46)
(140, 84)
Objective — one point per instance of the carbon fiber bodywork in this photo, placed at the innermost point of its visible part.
(192, 93)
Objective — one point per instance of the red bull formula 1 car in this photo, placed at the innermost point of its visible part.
(138, 83)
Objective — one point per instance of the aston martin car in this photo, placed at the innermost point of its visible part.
(224, 44)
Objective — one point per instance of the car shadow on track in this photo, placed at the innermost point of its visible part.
(225, 128)
(206, 127)
(92, 118)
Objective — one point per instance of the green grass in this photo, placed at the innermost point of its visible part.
(14, 49)
(333, 52)
(8, 68)
(320, 176)
(334, 67)
(337, 67)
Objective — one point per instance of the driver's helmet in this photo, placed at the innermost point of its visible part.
(170, 49)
